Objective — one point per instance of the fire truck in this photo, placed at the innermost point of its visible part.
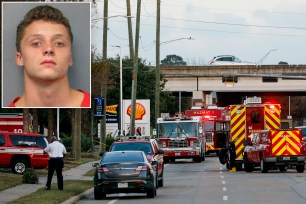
(11, 122)
(215, 128)
(181, 137)
(246, 120)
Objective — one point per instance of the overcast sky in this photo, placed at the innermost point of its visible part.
(248, 29)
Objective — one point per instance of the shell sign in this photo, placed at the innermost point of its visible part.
(140, 111)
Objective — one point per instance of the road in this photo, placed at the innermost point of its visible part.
(210, 182)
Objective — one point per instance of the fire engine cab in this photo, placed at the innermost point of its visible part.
(248, 119)
(181, 137)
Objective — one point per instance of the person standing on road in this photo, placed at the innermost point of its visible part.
(56, 151)
(232, 152)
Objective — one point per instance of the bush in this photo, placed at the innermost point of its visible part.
(30, 176)
(108, 142)
(85, 142)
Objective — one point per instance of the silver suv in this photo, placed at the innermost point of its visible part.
(228, 60)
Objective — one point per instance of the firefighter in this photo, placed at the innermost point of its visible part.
(232, 152)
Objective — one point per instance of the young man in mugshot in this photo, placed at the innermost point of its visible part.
(44, 52)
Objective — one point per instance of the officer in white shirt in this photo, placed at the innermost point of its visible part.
(56, 151)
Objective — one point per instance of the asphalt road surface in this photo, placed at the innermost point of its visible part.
(210, 182)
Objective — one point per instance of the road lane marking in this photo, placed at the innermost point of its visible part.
(224, 188)
(223, 182)
(222, 177)
(113, 201)
(225, 198)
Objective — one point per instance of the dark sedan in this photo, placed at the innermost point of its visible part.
(124, 172)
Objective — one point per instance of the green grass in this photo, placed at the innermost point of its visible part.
(9, 180)
(54, 196)
(90, 172)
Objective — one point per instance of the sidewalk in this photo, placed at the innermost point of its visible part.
(76, 173)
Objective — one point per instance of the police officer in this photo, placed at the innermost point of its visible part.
(56, 152)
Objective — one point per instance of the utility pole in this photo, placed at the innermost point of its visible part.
(130, 30)
(104, 79)
(157, 78)
(135, 71)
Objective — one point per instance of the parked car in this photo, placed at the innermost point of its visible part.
(228, 60)
(149, 147)
(303, 128)
(124, 172)
(19, 151)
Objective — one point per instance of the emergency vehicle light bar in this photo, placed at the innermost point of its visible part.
(252, 100)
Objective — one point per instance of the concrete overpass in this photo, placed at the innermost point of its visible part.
(230, 81)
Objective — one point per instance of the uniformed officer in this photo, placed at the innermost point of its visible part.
(56, 152)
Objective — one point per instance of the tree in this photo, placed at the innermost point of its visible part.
(26, 120)
(173, 60)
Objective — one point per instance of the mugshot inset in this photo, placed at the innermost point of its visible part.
(46, 67)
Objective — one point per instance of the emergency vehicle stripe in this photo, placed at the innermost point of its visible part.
(285, 143)
(23, 151)
(272, 117)
(238, 130)
(239, 148)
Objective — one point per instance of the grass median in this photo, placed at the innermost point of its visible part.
(54, 196)
(10, 180)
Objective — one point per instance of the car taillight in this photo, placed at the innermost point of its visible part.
(103, 169)
(141, 168)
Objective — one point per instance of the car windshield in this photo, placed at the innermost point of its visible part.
(122, 157)
(178, 129)
(140, 146)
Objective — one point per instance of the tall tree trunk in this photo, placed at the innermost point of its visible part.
(26, 120)
(77, 136)
(35, 120)
(73, 132)
(50, 124)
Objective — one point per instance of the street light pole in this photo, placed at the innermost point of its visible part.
(264, 57)
(121, 93)
(157, 82)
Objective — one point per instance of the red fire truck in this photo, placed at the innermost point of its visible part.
(215, 128)
(181, 137)
(11, 122)
(247, 119)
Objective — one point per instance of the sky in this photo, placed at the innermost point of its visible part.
(247, 29)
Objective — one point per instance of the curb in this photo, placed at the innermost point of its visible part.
(79, 197)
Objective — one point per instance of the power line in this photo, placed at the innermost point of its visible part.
(224, 31)
(235, 24)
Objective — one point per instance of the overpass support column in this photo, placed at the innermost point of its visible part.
(202, 98)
